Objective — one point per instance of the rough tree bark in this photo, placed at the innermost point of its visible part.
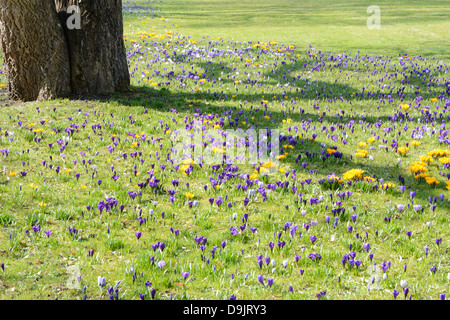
(45, 59)
(34, 50)
(97, 50)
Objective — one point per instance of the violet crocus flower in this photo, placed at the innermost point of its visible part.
(185, 274)
(138, 235)
(261, 279)
(269, 282)
(438, 242)
(442, 296)
(395, 293)
(153, 293)
(405, 291)
(417, 207)
(426, 248)
(161, 264)
(48, 233)
(234, 231)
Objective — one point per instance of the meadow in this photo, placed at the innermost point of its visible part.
(93, 206)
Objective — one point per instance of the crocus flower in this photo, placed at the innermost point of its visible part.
(261, 279)
(101, 281)
(395, 294)
(405, 291)
(270, 282)
(153, 293)
(185, 274)
(442, 296)
(161, 264)
(438, 242)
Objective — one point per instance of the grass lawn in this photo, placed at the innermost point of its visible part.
(357, 202)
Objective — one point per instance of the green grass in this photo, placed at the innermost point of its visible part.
(39, 267)
(411, 27)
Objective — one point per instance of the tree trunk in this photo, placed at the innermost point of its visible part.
(34, 50)
(97, 50)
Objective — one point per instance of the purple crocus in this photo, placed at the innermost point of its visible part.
(433, 269)
(261, 279)
(438, 242)
(395, 293)
(138, 235)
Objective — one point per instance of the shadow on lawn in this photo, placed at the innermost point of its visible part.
(165, 101)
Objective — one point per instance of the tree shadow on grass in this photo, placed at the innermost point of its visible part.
(163, 100)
